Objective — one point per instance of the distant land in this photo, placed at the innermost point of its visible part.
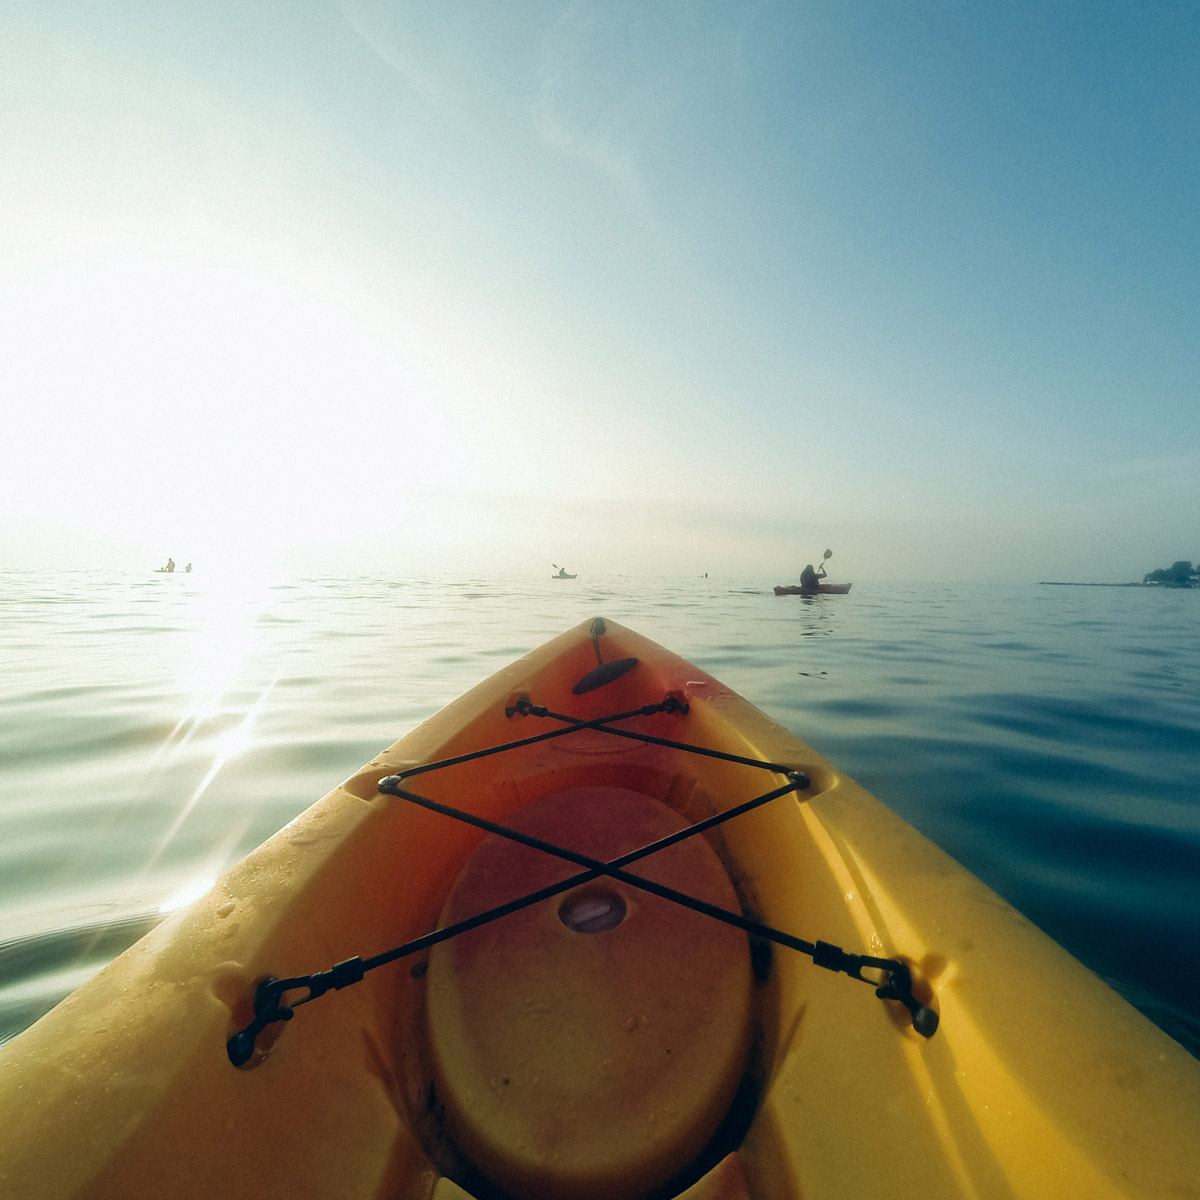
(1179, 574)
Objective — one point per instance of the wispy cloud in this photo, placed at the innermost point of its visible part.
(589, 101)
(589, 82)
(407, 54)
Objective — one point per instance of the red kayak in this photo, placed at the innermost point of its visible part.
(822, 589)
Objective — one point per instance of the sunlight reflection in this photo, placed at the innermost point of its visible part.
(223, 613)
(232, 744)
(186, 895)
(224, 609)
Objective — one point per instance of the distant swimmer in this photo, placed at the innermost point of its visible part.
(188, 569)
(170, 566)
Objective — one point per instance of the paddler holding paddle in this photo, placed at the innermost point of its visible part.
(810, 578)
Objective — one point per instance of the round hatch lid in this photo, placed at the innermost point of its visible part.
(589, 1045)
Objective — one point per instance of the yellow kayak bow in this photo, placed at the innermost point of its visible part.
(565, 940)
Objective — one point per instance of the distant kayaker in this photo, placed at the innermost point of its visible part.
(809, 577)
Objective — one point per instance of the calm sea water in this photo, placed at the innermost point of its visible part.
(154, 728)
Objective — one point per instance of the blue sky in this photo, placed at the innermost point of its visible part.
(654, 287)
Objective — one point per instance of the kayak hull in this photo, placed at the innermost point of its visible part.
(1040, 1081)
(822, 589)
